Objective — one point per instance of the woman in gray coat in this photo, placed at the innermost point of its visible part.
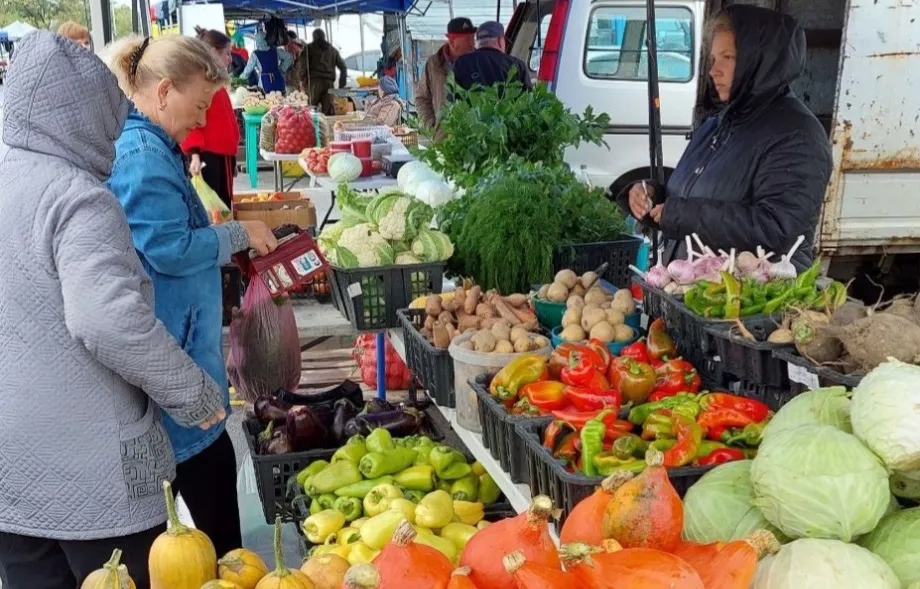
(84, 364)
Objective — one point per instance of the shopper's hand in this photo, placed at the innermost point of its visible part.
(216, 419)
(261, 237)
(655, 213)
(194, 164)
(638, 199)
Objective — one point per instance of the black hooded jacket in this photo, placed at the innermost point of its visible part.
(755, 171)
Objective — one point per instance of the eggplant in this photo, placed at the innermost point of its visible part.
(399, 422)
(270, 409)
(305, 429)
(344, 412)
(274, 440)
(377, 406)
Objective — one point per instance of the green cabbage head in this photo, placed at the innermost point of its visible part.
(816, 481)
(827, 406)
(886, 411)
(897, 541)
(720, 506)
(813, 563)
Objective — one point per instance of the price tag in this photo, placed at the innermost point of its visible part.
(804, 377)
(354, 289)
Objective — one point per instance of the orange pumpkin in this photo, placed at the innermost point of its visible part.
(582, 523)
(699, 556)
(243, 567)
(733, 566)
(220, 584)
(646, 512)
(632, 568)
(460, 579)
(283, 577)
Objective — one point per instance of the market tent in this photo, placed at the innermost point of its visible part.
(17, 30)
(314, 8)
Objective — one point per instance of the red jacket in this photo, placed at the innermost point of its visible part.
(220, 133)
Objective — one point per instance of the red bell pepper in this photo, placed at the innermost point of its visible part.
(561, 356)
(555, 432)
(718, 420)
(637, 351)
(660, 345)
(601, 349)
(721, 456)
(583, 365)
(675, 365)
(578, 419)
(569, 448)
(756, 410)
(545, 395)
(678, 382)
(598, 382)
(586, 399)
(658, 395)
(634, 380)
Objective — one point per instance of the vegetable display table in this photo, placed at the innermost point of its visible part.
(277, 159)
(371, 183)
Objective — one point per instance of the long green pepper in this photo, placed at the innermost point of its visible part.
(592, 442)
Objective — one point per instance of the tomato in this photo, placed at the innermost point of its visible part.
(322, 169)
(375, 166)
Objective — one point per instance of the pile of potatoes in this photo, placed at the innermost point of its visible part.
(491, 315)
(591, 312)
(501, 338)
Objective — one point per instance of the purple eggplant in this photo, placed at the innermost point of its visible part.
(270, 409)
(274, 440)
(399, 422)
(377, 406)
(305, 429)
(344, 412)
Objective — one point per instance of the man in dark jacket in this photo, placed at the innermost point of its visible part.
(489, 64)
(431, 92)
(323, 60)
(755, 172)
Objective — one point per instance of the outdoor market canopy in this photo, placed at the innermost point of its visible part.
(16, 31)
(314, 8)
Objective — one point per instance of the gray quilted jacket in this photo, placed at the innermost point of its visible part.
(83, 361)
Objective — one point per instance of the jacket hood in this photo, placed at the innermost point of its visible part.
(61, 100)
(770, 55)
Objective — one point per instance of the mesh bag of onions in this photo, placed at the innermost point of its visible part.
(264, 345)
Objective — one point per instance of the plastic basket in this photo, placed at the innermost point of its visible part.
(370, 297)
(548, 476)
(747, 360)
(588, 257)
(498, 431)
(827, 377)
(434, 368)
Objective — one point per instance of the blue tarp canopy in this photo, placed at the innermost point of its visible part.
(311, 8)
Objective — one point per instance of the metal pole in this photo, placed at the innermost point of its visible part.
(381, 366)
(656, 163)
(361, 26)
(450, 8)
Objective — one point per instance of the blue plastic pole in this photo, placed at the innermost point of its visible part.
(381, 366)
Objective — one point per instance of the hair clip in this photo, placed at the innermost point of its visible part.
(137, 54)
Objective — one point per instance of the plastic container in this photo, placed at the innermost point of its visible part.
(752, 361)
(370, 297)
(548, 476)
(467, 366)
(550, 313)
(498, 431)
(361, 148)
(614, 347)
(588, 257)
(367, 167)
(804, 375)
(340, 147)
(434, 368)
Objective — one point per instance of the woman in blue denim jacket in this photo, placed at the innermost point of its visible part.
(171, 81)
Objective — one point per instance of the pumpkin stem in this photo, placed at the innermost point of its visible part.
(124, 579)
(616, 480)
(404, 534)
(654, 457)
(540, 510)
(513, 561)
(462, 572)
(176, 528)
(763, 542)
(578, 552)
(362, 576)
(112, 565)
(281, 569)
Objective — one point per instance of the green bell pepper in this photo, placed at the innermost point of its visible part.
(488, 489)
(777, 303)
(378, 464)
(809, 277)
(443, 485)
(732, 295)
(707, 447)
(638, 414)
(455, 471)
(663, 444)
(466, 488)
(360, 489)
(322, 503)
(350, 507)
(751, 435)
(356, 439)
(412, 495)
(416, 478)
(592, 442)
(379, 440)
(423, 453)
(629, 446)
(350, 452)
(309, 471)
(334, 476)
(606, 463)
(657, 426)
(441, 457)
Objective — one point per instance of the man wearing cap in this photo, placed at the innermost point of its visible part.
(432, 88)
(489, 64)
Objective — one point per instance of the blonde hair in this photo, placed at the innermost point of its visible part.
(720, 23)
(73, 31)
(139, 62)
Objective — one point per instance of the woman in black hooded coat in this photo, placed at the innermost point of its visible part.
(755, 171)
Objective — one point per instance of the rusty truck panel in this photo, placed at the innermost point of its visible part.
(872, 204)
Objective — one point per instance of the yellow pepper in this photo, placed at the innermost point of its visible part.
(361, 553)
(458, 533)
(483, 525)
(468, 512)
(435, 510)
(379, 529)
(404, 505)
(359, 522)
(522, 370)
(342, 551)
(442, 545)
(478, 469)
(317, 528)
(377, 500)
(347, 536)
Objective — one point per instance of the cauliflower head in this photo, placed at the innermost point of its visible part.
(393, 224)
(363, 247)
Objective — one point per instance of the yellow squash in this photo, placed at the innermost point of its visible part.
(111, 576)
(180, 558)
(283, 577)
(220, 584)
(243, 567)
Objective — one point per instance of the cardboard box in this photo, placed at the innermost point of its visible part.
(292, 208)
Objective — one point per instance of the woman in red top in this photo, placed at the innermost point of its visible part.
(212, 148)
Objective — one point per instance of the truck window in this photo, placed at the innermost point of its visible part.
(536, 49)
(615, 44)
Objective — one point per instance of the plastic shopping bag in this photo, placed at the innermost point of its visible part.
(217, 210)
(264, 345)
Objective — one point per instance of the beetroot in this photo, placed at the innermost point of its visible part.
(874, 339)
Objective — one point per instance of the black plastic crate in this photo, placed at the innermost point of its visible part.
(588, 257)
(498, 430)
(752, 361)
(567, 489)
(827, 377)
(434, 368)
(231, 279)
(370, 297)
(319, 288)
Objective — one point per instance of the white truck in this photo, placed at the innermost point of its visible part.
(862, 80)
